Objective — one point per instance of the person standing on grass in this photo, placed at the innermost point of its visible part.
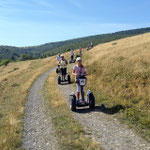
(72, 55)
(78, 70)
(88, 47)
(58, 60)
(91, 45)
(63, 66)
(80, 51)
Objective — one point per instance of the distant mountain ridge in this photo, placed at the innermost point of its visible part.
(49, 49)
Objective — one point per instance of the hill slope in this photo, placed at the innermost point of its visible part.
(8, 52)
(119, 75)
(15, 81)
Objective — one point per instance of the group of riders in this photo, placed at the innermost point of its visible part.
(78, 69)
(90, 46)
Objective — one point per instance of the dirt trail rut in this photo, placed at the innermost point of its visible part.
(39, 133)
(104, 128)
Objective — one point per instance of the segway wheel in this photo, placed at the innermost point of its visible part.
(59, 80)
(72, 100)
(57, 71)
(91, 101)
(69, 79)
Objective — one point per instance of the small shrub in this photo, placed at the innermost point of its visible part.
(114, 43)
(25, 57)
(16, 68)
(5, 62)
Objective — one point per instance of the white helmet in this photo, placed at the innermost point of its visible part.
(62, 56)
(78, 59)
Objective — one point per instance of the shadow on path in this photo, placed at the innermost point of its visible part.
(65, 83)
(102, 108)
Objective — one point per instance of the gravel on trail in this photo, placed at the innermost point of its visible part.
(105, 128)
(39, 133)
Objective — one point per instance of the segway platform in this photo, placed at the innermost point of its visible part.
(60, 80)
(80, 103)
(90, 101)
(72, 61)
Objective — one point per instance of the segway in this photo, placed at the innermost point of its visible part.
(58, 70)
(72, 60)
(60, 80)
(89, 101)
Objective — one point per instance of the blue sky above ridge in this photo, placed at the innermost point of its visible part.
(34, 22)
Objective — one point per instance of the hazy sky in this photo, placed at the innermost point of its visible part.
(34, 22)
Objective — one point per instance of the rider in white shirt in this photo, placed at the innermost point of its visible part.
(63, 66)
(58, 60)
(72, 55)
(77, 71)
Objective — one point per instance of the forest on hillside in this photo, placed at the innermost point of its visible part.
(50, 49)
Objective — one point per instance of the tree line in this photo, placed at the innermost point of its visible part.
(50, 49)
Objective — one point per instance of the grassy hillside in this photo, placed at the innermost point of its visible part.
(15, 81)
(48, 49)
(119, 75)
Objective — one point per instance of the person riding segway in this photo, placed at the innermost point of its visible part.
(91, 45)
(80, 51)
(58, 63)
(63, 72)
(72, 57)
(79, 71)
(63, 66)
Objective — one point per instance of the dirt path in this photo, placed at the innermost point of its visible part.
(39, 133)
(104, 128)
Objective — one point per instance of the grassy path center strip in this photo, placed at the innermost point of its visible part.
(70, 133)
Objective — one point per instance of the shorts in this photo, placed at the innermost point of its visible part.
(79, 88)
(64, 71)
(72, 56)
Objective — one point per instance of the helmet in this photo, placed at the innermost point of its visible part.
(62, 56)
(79, 59)
(58, 53)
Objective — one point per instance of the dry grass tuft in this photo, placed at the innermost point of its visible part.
(13, 121)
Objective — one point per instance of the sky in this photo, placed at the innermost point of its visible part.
(35, 22)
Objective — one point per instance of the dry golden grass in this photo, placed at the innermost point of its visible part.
(119, 74)
(14, 86)
(130, 55)
(70, 133)
(13, 69)
(15, 81)
(126, 47)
